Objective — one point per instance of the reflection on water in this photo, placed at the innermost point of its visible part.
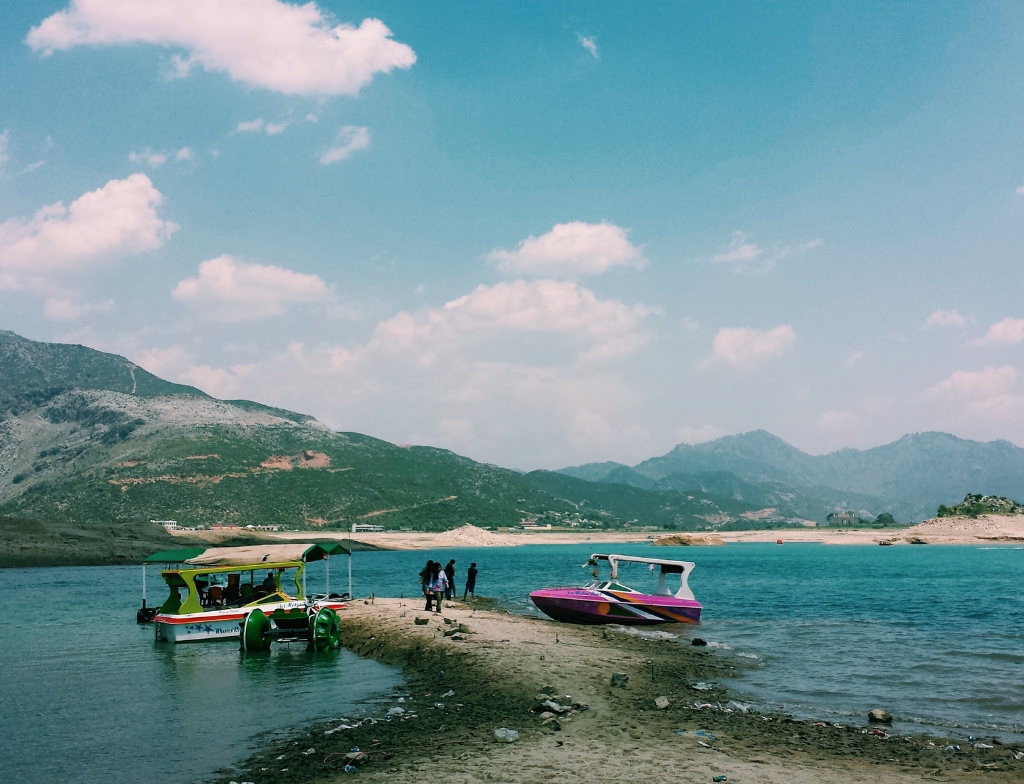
(89, 696)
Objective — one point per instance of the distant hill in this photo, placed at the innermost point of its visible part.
(91, 442)
(908, 478)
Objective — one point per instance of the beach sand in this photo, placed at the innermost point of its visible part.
(498, 665)
(949, 530)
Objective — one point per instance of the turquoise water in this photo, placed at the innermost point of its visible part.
(88, 696)
(933, 634)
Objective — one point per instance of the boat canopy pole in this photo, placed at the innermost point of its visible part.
(327, 590)
(350, 575)
(143, 586)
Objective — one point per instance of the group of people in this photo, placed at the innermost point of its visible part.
(438, 583)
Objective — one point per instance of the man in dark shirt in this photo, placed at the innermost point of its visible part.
(471, 581)
(449, 571)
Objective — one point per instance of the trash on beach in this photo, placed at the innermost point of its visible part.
(421, 621)
(704, 734)
(702, 705)
(738, 706)
(1019, 755)
(661, 703)
(553, 723)
(619, 679)
(439, 705)
(720, 778)
(702, 743)
(952, 747)
(983, 746)
(350, 769)
(505, 735)
(703, 686)
(449, 693)
(307, 752)
(396, 711)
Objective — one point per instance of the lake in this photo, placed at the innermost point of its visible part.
(933, 634)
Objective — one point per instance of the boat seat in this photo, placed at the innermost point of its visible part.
(215, 595)
(247, 590)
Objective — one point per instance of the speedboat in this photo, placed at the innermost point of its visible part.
(609, 601)
(219, 604)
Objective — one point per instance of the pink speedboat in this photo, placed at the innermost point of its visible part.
(611, 602)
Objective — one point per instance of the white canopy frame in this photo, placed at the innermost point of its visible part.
(682, 568)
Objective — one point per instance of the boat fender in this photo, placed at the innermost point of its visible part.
(254, 635)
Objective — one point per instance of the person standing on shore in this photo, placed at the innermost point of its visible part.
(439, 584)
(427, 584)
(471, 581)
(449, 573)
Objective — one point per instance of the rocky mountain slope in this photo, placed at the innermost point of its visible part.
(908, 478)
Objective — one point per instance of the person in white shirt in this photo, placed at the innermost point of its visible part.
(440, 584)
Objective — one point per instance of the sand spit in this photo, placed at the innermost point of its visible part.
(470, 671)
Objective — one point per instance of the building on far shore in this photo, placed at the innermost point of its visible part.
(366, 528)
(842, 518)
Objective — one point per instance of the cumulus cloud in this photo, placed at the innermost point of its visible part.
(601, 328)
(148, 157)
(988, 392)
(184, 154)
(119, 218)
(231, 290)
(746, 256)
(571, 249)
(589, 43)
(743, 347)
(291, 49)
(350, 139)
(67, 309)
(247, 126)
(273, 129)
(1003, 333)
(944, 318)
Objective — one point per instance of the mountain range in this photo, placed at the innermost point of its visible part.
(908, 478)
(90, 441)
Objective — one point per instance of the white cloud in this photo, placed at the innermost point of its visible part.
(944, 318)
(119, 218)
(184, 154)
(273, 129)
(249, 125)
(148, 157)
(1021, 190)
(854, 358)
(66, 309)
(746, 256)
(291, 49)
(571, 249)
(589, 43)
(33, 166)
(350, 139)
(1003, 333)
(5, 147)
(231, 290)
(743, 347)
(988, 392)
(601, 329)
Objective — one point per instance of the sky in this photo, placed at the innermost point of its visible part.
(537, 234)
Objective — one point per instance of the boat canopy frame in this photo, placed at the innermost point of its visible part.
(668, 566)
(185, 578)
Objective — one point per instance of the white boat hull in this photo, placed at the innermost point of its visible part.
(219, 625)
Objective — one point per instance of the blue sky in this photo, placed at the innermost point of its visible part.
(534, 233)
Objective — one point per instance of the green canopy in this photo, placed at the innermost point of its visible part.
(333, 548)
(180, 555)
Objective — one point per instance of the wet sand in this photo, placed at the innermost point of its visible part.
(499, 665)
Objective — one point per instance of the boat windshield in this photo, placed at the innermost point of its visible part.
(608, 585)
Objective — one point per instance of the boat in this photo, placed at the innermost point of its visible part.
(886, 543)
(218, 604)
(609, 601)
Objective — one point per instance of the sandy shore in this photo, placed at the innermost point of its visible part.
(951, 530)
(492, 668)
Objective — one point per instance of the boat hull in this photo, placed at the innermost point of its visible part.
(226, 624)
(589, 606)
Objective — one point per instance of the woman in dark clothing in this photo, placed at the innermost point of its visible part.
(449, 572)
(426, 584)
